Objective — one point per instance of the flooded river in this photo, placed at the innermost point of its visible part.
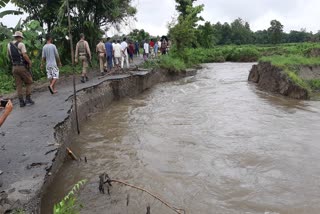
(212, 143)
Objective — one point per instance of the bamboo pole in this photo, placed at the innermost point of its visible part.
(73, 69)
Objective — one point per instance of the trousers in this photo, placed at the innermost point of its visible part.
(22, 76)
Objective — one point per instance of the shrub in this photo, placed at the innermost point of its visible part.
(6, 83)
(171, 63)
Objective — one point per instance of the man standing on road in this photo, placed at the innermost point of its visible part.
(124, 48)
(137, 48)
(164, 46)
(84, 54)
(117, 53)
(50, 56)
(109, 50)
(21, 65)
(101, 51)
(146, 50)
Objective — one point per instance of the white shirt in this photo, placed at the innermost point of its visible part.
(117, 50)
(124, 46)
(146, 48)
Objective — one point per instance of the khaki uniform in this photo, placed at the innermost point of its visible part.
(101, 50)
(84, 54)
(21, 74)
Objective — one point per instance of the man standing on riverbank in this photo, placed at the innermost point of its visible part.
(109, 50)
(137, 48)
(21, 68)
(101, 51)
(50, 56)
(146, 50)
(125, 58)
(84, 54)
(117, 53)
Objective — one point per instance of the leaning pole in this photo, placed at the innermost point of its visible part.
(73, 69)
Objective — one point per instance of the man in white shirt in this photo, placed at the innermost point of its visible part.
(146, 50)
(117, 53)
(124, 48)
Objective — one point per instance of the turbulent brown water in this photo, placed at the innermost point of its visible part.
(212, 143)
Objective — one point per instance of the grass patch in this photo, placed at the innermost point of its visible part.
(314, 84)
(171, 63)
(297, 80)
(291, 60)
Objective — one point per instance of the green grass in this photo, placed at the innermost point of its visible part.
(314, 84)
(172, 63)
(291, 60)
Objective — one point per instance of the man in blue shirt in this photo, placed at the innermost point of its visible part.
(136, 48)
(109, 50)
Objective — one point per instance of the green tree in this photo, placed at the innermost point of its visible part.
(261, 37)
(139, 35)
(182, 6)
(3, 3)
(183, 34)
(275, 31)
(45, 12)
(206, 35)
(241, 33)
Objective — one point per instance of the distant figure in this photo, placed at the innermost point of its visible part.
(101, 51)
(50, 56)
(7, 110)
(156, 49)
(137, 48)
(21, 68)
(131, 51)
(117, 53)
(84, 54)
(164, 46)
(109, 50)
(151, 48)
(125, 58)
(146, 50)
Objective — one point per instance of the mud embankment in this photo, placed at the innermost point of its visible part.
(95, 98)
(273, 79)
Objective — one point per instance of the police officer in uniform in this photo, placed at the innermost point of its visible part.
(83, 53)
(21, 65)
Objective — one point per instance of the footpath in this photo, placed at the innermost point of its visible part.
(27, 142)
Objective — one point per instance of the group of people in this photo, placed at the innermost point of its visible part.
(111, 55)
(114, 54)
(153, 48)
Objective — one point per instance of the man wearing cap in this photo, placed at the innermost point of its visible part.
(84, 54)
(21, 65)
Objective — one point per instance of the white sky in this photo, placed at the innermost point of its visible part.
(153, 16)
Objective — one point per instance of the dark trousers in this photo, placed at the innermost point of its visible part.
(22, 76)
(109, 61)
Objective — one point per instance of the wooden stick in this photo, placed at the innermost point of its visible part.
(178, 211)
(71, 154)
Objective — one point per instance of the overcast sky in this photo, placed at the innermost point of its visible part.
(153, 16)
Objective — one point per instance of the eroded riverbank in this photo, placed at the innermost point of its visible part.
(212, 143)
(34, 140)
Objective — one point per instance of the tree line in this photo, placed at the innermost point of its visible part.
(239, 33)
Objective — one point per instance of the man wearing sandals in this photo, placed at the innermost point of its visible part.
(50, 56)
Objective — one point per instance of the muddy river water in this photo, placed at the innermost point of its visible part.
(212, 143)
